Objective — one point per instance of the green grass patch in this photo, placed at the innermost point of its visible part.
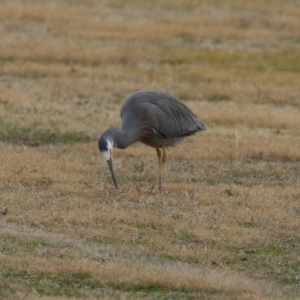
(82, 284)
(249, 224)
(12, 245)
(272, 250)
(256, 173)
(285, 60)
(279, 261)
(34, 135)
(217, 98)
(104, 241)
(156, 291)
(183, 237)
(150, 289)
(70, 285)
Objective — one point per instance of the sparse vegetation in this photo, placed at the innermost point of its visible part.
(12, 133)
(226, 225)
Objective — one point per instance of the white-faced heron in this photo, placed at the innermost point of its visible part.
(153, 118)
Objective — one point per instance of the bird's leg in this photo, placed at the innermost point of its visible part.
(158, 152)
(162, 165)
(162, 157)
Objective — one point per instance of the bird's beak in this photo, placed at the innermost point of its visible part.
(110, 164)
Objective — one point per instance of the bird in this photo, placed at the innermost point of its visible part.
(154, 118)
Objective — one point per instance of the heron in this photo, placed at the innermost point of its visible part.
(154, 118)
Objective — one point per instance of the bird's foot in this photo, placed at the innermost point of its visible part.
(155, 187)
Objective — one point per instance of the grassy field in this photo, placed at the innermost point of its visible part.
(226, 224)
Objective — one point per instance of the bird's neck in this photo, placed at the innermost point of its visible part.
(122, 139)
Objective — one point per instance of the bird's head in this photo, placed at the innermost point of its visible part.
(105, 145)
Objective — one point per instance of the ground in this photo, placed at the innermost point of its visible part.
(226, 223)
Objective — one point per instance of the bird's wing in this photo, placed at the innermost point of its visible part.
(171, 118)
(160, 113)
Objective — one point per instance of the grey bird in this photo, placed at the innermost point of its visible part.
(153, 118)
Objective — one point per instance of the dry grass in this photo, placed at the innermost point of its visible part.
(226, 225)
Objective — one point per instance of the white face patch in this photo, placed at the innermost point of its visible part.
(108, 153)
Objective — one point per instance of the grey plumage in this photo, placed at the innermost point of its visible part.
(154, 118)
